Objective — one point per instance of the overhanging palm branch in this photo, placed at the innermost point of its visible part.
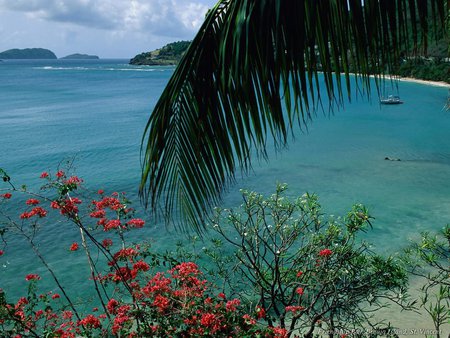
(251, 72)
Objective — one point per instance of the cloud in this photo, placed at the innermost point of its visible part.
(177, 18)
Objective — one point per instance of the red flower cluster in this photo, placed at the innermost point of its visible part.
(125, 253)
(168, 301)
(90, 321)
(260, 312)
(294, 308)
(232, 305)
(111, 224)
(175, 303)
(325, 253)
(299, 291)
(32, 276)
(122, 318)
(68, 206)
(107, 242)
(32, 201)
(37, 211)
(112, 203)
(73, 180)
(6, 195)
(136, 223)
(119, 209)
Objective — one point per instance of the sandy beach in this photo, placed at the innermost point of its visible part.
(410, 79)
(425, 82)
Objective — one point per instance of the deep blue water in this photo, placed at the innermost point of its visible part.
(96, 111)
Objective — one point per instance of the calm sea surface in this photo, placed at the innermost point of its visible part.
(95, 111)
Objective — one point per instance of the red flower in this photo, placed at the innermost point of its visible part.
(67, 314)
(279, 332)
(299, 274)
(39, 211)
(98, 214)
(232, 305)
(74, 247)
(112, 224)
(68, 206)
(25, 215)
(158, 284)
(141, 265)
(90, 321)
(126, 253)
(299, 291)
(32, 276)
(184, 270)
(161, 302)
(208, 319)
(6, 195)
(121, 318)
(56, 296)
(124, 273)
(1, 252)
(76, 200)
(108, 202)
(136, 223)
(112, 305)
(107, 242)
(221, 295)
(39, 314)
(74, 180)
(60, 174)
(44, 175)
(249, 320)
(325, 253)
(294, 308)
(101, 192)
(260, 312)
(35, 211)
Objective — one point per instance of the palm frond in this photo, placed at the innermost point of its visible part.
(251, 72)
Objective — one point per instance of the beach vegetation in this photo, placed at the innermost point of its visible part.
(278, 267)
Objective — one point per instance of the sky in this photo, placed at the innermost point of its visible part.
(107, 28)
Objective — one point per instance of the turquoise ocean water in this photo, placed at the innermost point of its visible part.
(96, 111)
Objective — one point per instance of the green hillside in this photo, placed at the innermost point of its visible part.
(81, 57)
(170, 54)
(28, 53)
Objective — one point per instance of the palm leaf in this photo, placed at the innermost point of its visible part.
(252, 72)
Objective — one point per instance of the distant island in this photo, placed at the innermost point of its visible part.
(28, 53)
(80, 57)
(168, 55)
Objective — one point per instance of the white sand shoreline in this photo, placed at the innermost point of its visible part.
(424, 82)
(409, 79)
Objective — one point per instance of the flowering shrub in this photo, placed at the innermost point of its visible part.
(175, 303)
(135, 300)
(311, 275)
(289, 271)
